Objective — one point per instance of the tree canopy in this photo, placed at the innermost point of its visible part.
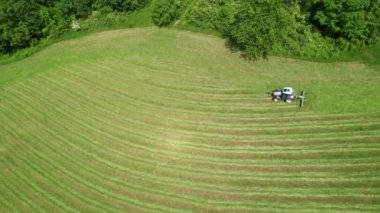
(258, 28)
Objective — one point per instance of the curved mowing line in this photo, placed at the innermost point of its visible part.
(47, 160)
(171, 97)
(278, 131)
(284, 130)
(310, 117)
(183, 108)
(142, 147)
(172, 85)
(213, 123)
(44, 194)
(108, 112)
(60, 115)
(105, 103)
(179, 104)
(58, 184)
(147, 81)
(7, 205)
(121, 98)
(152, 88)
(196, 80)
(92, 186)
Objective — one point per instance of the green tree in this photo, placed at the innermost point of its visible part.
(121, 5)
(215, 14)
(372, 31)
(83, 8)
(20, 24)
(165, 12)
(255, 27)
(345, 20)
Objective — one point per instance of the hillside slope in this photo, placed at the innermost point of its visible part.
(164, 120)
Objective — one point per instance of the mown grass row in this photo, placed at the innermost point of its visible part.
(126, 123)
(143, 132)
(34, 90)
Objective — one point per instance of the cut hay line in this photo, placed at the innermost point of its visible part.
(42, 194)
(260, 120)
(178, 104)
(272, 153)
(36, 167)
(148, 81)
(172, 106)
(153, 129)
(93, 187)
(141, 76)
(127, 97)
(294, 130)
(126, 130)
(143, 72)
(154, 92)
(16, 194)
(126, 103)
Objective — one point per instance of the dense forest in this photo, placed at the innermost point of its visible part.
(258, 28)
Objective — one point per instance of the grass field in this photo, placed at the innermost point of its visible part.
(172, 121)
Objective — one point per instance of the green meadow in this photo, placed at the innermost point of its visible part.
(172, 121)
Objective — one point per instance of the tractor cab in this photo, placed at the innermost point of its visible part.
(286, 94)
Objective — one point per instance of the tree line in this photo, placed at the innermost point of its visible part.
(258, 28)
(23, 23)
(314, 28)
